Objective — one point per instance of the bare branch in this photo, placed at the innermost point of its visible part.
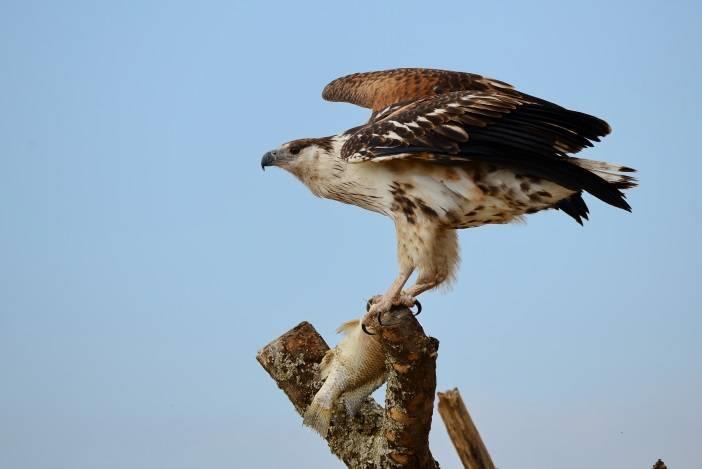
(462, 430)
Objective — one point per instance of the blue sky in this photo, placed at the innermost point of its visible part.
(145, 258)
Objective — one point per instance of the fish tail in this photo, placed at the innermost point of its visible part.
(318, 416)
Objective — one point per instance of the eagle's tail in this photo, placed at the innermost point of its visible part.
(610, 172)
(609, 178)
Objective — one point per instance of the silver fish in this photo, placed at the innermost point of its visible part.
(352, 371)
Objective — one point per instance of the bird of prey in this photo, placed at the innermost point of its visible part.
(447, 150)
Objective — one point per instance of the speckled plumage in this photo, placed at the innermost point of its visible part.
(449, 150)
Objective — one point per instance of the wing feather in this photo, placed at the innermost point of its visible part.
(454, 121)
(378, 90)
(504, 128)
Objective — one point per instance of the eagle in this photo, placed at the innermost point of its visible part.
(447, 150)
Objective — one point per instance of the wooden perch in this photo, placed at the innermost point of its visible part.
(397, 436)
(409, 399)
(463, 432)
(394, 437)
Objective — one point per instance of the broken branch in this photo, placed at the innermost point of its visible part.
(463, 432)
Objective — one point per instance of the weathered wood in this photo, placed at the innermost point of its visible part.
(410, 357)
(462, 430)
(394, 437)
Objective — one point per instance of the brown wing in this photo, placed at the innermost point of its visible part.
(504, 128)
(462, 124)
(377, 90)
(434, 127)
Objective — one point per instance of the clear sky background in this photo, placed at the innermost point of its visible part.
(145, 258)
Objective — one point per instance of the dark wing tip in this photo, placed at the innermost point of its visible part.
(605, 128)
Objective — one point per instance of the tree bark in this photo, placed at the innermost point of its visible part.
(463, 432)
(410, 358)
(394, 437)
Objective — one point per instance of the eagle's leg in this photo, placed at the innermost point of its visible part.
(422, 286)
(430, 248)
(439, 266)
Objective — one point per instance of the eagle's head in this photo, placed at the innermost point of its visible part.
(299, 154)
(309, 159)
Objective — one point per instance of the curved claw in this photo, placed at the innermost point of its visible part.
(369, 303)
(363, 327)
(419, 307)
(379, 321)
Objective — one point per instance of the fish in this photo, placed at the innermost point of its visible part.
(351, 372)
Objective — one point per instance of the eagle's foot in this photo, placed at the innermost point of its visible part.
(375, 306)
(380, 304)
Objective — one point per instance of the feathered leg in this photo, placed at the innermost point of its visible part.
(409, 240)
(440, 265)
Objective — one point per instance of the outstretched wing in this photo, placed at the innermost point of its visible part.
(377, 90)
(501, 127)
(461, 124)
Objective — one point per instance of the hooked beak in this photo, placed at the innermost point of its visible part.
(269, 159)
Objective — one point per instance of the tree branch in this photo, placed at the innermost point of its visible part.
(463, 432)
(374, 438)
(410, 358)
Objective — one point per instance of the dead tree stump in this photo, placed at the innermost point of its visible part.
(394, 437)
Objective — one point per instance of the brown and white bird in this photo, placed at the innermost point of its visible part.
(449, 150)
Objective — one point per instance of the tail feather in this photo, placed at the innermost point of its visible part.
(566, 171)
(575, 207)
(610, 172)
(570, 174)
(607, 185)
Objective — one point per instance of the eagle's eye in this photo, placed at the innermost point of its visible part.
(295, 149)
